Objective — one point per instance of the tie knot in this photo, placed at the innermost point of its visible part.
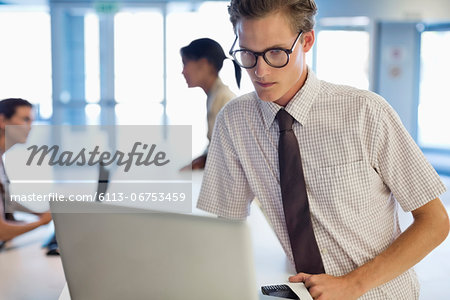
(285, 120)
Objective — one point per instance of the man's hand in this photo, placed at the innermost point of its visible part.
(197, 164)
(45, 218)
(327, 287)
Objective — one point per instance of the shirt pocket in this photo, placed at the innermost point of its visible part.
(341, 191)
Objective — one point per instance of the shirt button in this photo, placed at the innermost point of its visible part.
(324, 251)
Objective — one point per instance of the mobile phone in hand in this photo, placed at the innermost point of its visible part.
(280, 290)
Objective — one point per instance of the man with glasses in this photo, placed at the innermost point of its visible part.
(329, 164)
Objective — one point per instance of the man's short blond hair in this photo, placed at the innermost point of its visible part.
(300, 13)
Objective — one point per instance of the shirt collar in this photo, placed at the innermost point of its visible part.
(300, 104)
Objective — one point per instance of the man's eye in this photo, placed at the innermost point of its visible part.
(246, 54)
(275, 52)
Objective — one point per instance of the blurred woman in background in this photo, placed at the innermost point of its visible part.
(202, 62)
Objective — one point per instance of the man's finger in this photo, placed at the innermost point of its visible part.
(300, 277)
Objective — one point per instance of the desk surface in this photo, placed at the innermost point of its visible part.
(66, 296)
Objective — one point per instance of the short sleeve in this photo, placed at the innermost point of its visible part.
(402, 165)
(225, 191)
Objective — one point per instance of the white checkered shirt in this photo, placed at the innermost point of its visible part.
(358, 161)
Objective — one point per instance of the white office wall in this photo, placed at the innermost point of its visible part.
(398, 70)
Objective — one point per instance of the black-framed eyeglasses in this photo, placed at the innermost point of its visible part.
(274, 57)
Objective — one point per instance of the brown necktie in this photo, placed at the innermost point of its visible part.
(295, 200)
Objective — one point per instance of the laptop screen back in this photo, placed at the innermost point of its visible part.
(137, 255)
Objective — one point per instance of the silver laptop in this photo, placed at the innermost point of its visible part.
(136, 255)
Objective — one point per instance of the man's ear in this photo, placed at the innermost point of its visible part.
(308, 40)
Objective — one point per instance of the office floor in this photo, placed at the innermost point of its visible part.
(27, 274)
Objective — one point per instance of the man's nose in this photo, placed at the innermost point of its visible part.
(261, 68)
